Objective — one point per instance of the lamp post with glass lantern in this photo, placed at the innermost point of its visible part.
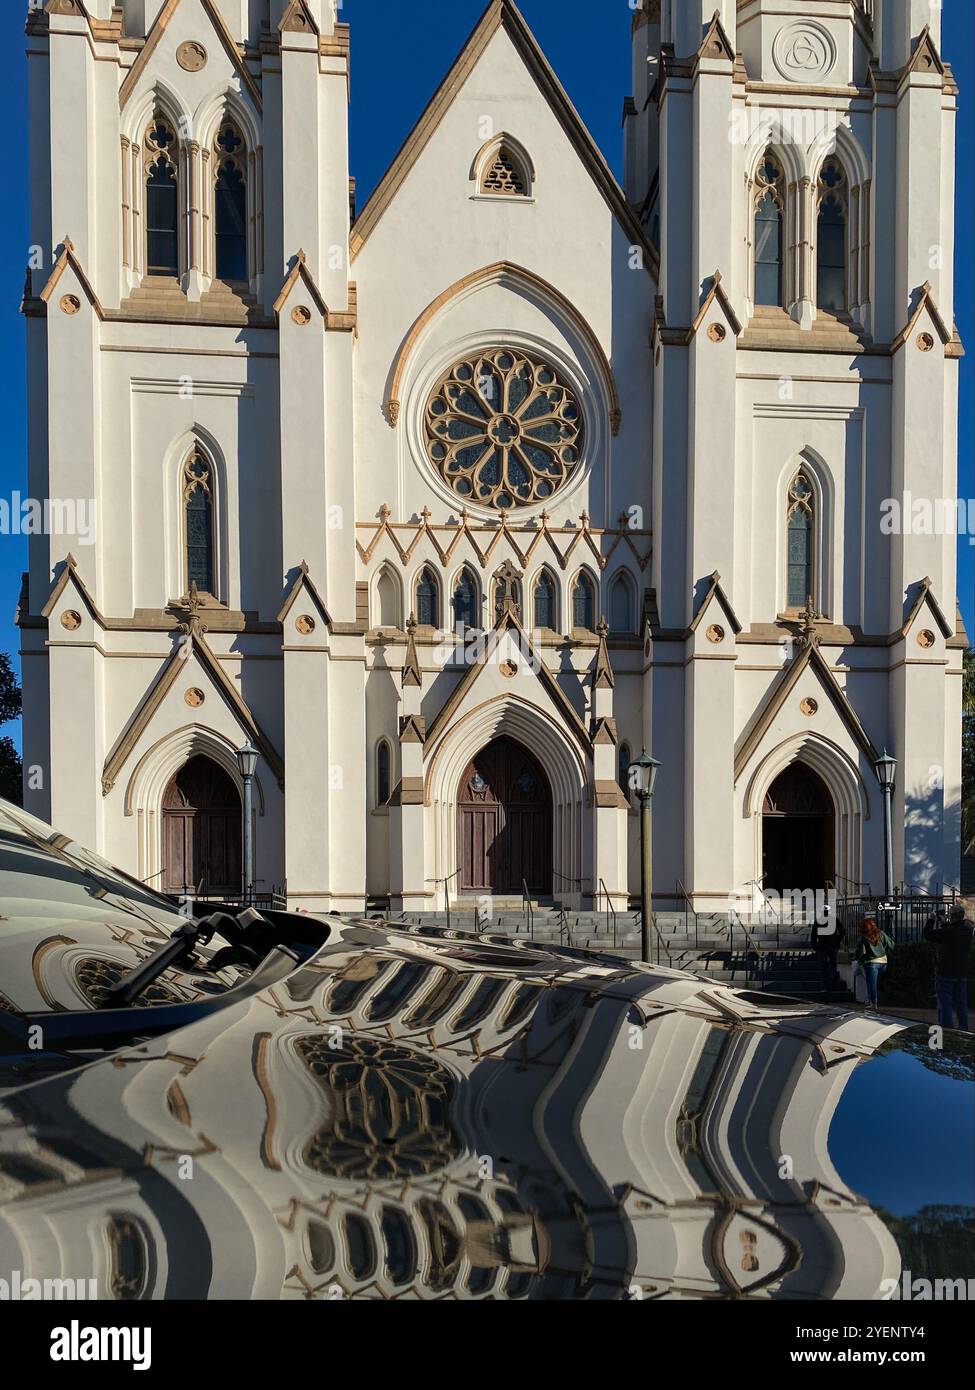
(886, 769)
(643, 779)
(247, 765)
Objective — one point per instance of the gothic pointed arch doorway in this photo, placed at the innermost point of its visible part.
(202, 831)
(504, 822)
(798, 832)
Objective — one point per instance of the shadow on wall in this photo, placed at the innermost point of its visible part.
(930, 823)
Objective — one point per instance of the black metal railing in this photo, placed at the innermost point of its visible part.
(527, 909)
(603, 892)
(446, 892)
(682, 896)
(902, 916)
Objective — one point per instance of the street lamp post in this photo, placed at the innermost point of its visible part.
(886, 769)
(643, 778)
(247, 764)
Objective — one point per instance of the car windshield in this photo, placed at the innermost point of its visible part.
(47, 877)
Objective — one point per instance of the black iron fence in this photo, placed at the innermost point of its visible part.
(902, 916)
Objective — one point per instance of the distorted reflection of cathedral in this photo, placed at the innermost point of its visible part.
(412, 1117)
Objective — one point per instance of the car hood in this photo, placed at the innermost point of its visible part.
(70, 923)
(432, 1114)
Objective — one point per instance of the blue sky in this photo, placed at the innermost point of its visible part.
(393, 77)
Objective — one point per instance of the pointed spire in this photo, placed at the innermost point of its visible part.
(411, 666)
(602, 671)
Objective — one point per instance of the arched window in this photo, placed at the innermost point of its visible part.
(427, 599)
(382, 772)
(162, 200)
(831, 239)
(770, 233)
(504, 173)
(230, 205)
(465, 601)
(387, 600)
(800, 563)
(546, 609)
(623, 775)
(198, 512)
(621, 605)
(584, 603)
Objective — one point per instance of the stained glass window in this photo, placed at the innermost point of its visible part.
(770, 235)
(198, 510)
(162, 201)
(427, 600)
(800, 542)
(584, 603)
(831, 239)
(465, 602)
(503, 430)
(545, 610)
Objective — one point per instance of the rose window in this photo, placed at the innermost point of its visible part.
(503, 430)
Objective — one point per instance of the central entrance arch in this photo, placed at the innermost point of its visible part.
(798, 832)
(202, 831)
(504, 822)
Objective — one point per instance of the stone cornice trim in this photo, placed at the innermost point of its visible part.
(925, 596)
(926, 304)
(66, 258)
(715, 591)
(70, 575)
(303, 580)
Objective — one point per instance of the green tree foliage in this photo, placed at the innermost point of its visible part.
(11, 768)
(936, 1242)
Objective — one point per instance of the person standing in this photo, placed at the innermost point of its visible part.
(953, 939)
(871, 953)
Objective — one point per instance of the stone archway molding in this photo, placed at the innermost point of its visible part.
(509, 716)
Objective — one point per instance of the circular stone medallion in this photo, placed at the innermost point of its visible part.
(809, 707)
(804, 52)
(194, 698)
(191, 56)
(69, 304)
(71, 620)
(305, 625)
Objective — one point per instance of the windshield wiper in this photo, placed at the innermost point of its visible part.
(179, 950)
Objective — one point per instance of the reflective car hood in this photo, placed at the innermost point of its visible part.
(429, 1115)
(70, 923)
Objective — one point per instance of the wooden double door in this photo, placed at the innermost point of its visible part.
(202, 831)
(798, 832)
(504, 822)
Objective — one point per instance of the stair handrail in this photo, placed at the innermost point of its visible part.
(527, 910)
(760, 951)
(760, 885)
(681, 892)
(446, 895)
(657, 933)
(600, 892)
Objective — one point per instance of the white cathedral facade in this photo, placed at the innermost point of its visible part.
(453, 503)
